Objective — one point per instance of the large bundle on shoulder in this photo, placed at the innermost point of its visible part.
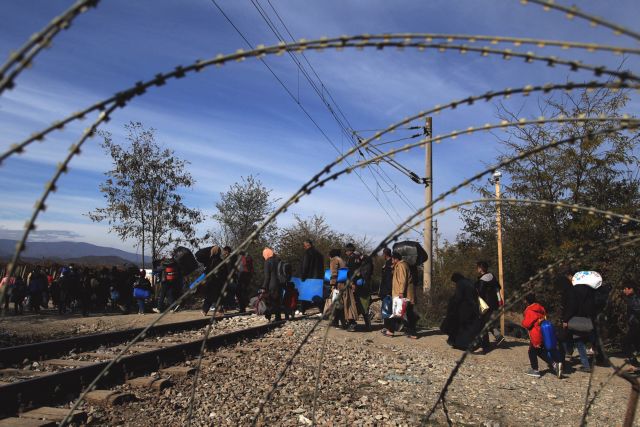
(411, 252)
(185, 260)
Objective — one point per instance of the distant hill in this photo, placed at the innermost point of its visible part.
(72, 252)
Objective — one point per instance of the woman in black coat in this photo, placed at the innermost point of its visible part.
(463, 314)
(215, 282)
(272, 283)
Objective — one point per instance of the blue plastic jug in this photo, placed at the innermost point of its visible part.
(549, 335)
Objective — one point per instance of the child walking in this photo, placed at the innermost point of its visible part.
(533, 315)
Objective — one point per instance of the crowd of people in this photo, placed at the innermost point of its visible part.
(347, 297)
(584, 297)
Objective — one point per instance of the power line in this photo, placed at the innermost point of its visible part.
(348, 128)
(297, 101)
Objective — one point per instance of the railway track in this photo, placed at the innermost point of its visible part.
(60, 380)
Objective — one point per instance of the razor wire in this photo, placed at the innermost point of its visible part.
(559, 205)
(122, 98)
(525, 288)
(574, 12)
(506, 55)
(357, 42)
(210, 326)
(23, 57)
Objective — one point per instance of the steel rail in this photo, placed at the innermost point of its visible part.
(57, 387)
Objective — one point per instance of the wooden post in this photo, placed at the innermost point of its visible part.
(428, 224)
(496, 179)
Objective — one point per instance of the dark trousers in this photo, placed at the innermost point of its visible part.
(244, 283)
(165, 292)
(409, 324)
(211, 297)
(631, 341)
(541, 352)
(275, 303)
(140, 302)
(35, 301)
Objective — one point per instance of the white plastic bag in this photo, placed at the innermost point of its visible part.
(399, 307)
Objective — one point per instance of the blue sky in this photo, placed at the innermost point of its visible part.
(237, 120)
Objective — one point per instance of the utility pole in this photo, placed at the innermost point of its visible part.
(428, 225)
(496, 180)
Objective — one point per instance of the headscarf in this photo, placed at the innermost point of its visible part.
(267, 253)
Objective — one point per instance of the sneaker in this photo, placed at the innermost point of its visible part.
(557, 368)
(155, 310)
(499, 340)
(584, 369)
(533, 373)
(351, 327)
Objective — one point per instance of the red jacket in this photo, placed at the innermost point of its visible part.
(533, 315)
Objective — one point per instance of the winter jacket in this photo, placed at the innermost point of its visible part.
(402, 282)
(581, 303)
(386, 278)
(335, 264)
(271, 281)
(633, 310)
(312, 264)
(488, 288)
(533, 315)
(465, 302)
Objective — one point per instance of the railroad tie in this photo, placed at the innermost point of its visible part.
(149, 382)
(20, 373)
(109, 397)
(26, 422)
(68, 362)
(178, 371)
(54, 414)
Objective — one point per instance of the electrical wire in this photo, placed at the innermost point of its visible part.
(297, 101)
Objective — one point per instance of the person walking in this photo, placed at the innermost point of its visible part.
(361, 283)
(387, 274)
(215, 281)
(579, 316)
(534, 314)
(245, 276)
(312, 262)
(36, 284)
(335, 264)
(141, 290)
(403, 287)
(462, 318)
(272, 284)
(488, 289)
(631, 340)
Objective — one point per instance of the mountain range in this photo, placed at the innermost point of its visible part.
(70, 252)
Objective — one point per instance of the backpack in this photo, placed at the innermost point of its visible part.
(246, 264)
(284, 272)
(170, 273)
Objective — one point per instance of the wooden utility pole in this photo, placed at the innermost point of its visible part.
(428, 225)
(496, 180)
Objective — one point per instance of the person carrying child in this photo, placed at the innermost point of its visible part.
(534, 314)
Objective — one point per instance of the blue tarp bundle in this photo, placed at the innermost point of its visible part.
(309, 290)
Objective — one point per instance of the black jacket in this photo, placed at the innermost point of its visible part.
(387, 278)
(488, 288)
(271, 281)
(581, 303)
(465, 301)
(312, 264)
